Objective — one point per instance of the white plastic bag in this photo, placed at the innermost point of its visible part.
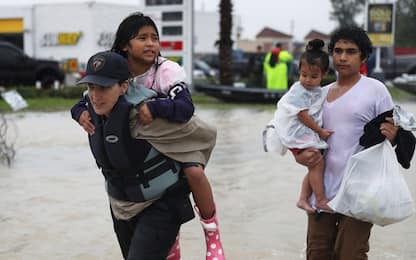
(373, 189)
(271, 140)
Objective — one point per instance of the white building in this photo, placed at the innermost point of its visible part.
(70, 32)
(62, 31)
(207, 31)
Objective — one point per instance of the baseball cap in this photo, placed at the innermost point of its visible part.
(105, 69)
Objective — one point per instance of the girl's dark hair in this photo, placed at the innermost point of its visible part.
(314, 55)
(128, 29)
(354, 34)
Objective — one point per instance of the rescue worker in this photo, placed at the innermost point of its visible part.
(149, 198)
(276, 68)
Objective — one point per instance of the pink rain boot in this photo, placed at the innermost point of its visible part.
(212, 237)
(175, 251)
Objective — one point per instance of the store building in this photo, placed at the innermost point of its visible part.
(62, 31)
(72, 32)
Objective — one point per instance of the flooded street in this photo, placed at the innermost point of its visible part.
(53, 204)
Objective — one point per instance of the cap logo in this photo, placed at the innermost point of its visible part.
(98, 63)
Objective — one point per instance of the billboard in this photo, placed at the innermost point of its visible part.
(380, 24)
(174, 19)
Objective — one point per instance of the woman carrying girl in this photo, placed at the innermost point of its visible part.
(137, 39)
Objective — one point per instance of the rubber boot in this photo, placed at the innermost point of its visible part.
(210, 226)
(175, 251)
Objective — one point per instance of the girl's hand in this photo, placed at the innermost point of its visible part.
(145, 117)
(388, 129)
(308, 157)
(325, 133)
(85, 122)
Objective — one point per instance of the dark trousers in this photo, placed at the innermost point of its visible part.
(337, 237)
(151, 234)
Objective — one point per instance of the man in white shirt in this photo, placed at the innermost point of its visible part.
(352, 101)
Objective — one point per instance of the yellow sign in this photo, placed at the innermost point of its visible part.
(68, 38)
(380, 24)
(12, 25)
(63, 38)
(177, 59)
(384, 39)
(70, 65)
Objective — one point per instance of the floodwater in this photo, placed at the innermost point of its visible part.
(53, 204)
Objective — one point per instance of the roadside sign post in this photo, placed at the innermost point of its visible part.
(174, 19)
(380, 27)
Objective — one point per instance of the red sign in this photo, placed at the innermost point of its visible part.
(171, 45)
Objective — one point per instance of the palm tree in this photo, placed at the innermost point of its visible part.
(225, 43)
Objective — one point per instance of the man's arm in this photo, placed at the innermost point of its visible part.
(389, 130)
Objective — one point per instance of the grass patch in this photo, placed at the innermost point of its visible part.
(208, 102)
(49, 104)
(55, 103)
(400, 95)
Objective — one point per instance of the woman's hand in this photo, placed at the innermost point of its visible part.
(85, 122)
(145, 116)
(388, 129)
(308, 157)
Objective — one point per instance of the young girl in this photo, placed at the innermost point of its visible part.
(137, 39)
(298, 120)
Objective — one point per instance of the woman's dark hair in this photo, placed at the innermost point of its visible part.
(128, 29)
(355, 35)
(314, 55)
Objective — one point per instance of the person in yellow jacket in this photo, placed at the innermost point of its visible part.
(276, 69)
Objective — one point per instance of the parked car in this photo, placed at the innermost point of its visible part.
(395, 64)
(203, 70)
(17, 68)
(239, 64)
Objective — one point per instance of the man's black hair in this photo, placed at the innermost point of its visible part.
(355, 35)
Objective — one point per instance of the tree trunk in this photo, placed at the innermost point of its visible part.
(225, 43)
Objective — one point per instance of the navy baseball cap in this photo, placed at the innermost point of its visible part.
(106, 69)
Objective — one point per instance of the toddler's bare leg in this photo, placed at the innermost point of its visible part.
(305, 193)
(316, 180)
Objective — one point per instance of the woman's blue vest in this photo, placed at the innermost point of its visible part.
(133, 169)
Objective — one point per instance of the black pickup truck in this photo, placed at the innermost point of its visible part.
(16, 68)
(394, 64)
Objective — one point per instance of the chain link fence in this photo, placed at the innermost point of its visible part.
(7, 151)
(8, 136)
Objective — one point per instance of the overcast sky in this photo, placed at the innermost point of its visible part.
(296, 17)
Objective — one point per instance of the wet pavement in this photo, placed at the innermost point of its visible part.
(53, 204)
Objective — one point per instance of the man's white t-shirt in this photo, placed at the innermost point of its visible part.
(346, 116)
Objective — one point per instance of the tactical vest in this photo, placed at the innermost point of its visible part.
(133, 169)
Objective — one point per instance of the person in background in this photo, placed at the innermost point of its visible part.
(137, 39)
(298, 120)
(149, 198)
(255, 68)
(276, 68)
(352, 101)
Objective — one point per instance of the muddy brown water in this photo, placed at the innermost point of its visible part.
(53, 204)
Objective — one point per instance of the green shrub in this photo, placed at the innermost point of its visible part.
(66, 92)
